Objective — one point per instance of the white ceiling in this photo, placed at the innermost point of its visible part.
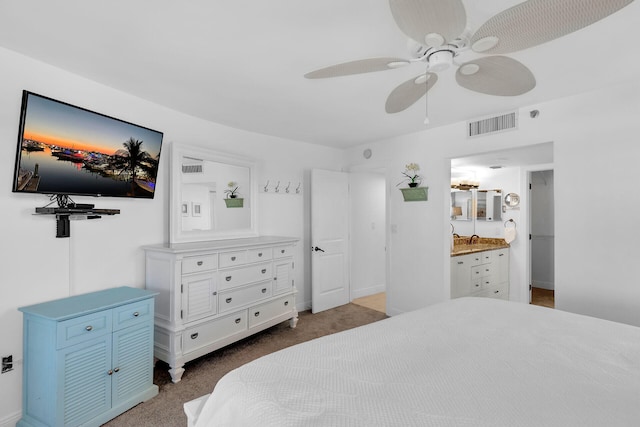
(241, 62)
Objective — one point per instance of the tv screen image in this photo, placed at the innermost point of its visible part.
(69, 150)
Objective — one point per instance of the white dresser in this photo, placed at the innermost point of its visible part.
(481, 274)
(211, 294)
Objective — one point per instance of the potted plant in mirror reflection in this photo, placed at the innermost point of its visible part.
(411, 175)
(232, 200)
(232, 192)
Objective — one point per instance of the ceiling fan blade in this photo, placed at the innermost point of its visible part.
(423, 20)
(496, 75)
(357, 67)
(405, 95)
(534, 22)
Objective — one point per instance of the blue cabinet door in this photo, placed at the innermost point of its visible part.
(84, 372)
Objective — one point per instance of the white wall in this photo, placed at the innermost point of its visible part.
(368, 225)
(36, 266)
(595, 154)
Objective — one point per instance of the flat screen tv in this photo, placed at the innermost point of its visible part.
(65, 150)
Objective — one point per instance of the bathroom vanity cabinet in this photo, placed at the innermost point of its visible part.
(481, 274)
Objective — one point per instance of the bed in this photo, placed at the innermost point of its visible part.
(464, 362)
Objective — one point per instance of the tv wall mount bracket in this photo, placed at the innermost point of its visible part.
(68, 210)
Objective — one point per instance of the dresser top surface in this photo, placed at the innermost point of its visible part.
(77, 305)
(222, 244)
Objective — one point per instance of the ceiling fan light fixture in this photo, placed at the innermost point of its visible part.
(397, 64)
(469, 69)
(440, 60)
(434, 40)
(422, 79)
(485, 43)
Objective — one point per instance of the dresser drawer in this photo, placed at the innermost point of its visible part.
(197, 264)
(283, 251)
(132, 314)
(230, 300)
(270, 310)
(257, 255)
(208, 333)
(230, 259)
(242, 276)
(79, 329)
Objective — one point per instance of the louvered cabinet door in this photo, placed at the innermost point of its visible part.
(84, 376)
(199, 296)
(132, 362)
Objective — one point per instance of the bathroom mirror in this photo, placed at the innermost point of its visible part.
(512, 200)
(202, 206)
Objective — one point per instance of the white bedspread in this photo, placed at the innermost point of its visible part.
(465, 362)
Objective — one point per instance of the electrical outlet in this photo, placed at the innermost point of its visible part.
(7, 363)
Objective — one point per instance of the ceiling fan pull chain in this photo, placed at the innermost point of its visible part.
(426, 100)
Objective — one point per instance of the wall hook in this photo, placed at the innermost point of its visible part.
(277, 189)
(266, 187)
(286, 190)
(298, 188)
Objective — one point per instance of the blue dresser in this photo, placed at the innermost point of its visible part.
(87, 358)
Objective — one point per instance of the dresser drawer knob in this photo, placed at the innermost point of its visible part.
(238, 320)
(286, 303)
(136, 314)
(257, 313)
(282, 251)
(228, 300)
(194, 336)
(110, 372)
(215, 293)
(496, 292)
(233, 258)
(228, 278)
(199, 263)
(264, 290)
(116, 370)
(89, 328)
(264, 270)
(259, 254)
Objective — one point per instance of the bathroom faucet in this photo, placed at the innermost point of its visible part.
(471, 238)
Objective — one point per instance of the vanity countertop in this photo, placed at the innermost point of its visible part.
(461, 245)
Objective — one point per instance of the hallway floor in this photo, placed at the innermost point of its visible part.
(376, 302)
(542, 297)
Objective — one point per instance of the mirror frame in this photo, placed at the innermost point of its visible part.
(511, 200)
(176, 234)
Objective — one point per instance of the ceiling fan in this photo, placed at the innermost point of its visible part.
(438, 33)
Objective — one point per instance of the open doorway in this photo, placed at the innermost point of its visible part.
(542, 236)
(368, 238)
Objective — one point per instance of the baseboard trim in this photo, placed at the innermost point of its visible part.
(11, 420)
(365, 292)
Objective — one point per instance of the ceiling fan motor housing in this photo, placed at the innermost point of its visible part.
(440, 60)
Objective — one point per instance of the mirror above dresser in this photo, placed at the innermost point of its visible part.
(212, 195)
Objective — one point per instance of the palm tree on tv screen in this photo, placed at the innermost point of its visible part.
(135, 155)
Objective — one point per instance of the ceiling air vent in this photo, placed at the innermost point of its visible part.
(191, 168)
(508, 121)
(191, 165)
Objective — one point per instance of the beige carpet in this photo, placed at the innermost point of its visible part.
(202, 374)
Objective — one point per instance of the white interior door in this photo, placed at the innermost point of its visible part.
(329, 239)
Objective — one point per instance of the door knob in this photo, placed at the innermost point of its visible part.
(317, 249)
